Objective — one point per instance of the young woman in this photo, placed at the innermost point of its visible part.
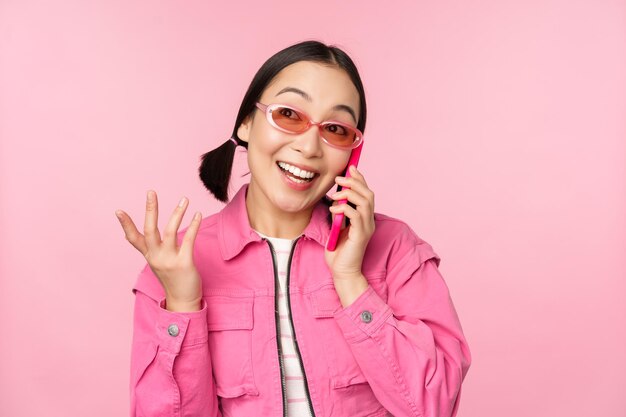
(246, 313)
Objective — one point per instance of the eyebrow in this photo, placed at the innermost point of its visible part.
(308, 98)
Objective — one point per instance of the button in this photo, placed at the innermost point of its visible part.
(173, 330)
(366, 316)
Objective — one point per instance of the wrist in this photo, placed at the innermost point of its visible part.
(349, 289)
(183, 306)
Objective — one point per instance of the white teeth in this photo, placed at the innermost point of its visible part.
(296, 171)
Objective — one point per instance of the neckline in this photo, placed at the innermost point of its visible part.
(272, 237)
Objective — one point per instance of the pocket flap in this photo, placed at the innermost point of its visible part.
(229, 312)
(324, 302)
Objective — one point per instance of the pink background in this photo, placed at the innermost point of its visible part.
(501, 122)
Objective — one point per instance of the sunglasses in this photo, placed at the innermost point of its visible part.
(290, 119)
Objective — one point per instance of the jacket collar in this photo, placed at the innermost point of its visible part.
(235, 232)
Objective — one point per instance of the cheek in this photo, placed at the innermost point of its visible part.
(267, 140)
(338, 162)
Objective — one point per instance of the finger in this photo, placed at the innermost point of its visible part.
(355, 173)
(355, 182)
(351, 213)
(131, 233)
(189, 239)
(362, 213)
(358, 185)
(352, 196)
(150, 228)
(171, 230)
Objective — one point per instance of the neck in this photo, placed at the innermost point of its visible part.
(267, 218)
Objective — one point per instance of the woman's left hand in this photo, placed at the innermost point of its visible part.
(346, 260)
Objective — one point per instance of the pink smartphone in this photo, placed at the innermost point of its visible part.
(336, 226)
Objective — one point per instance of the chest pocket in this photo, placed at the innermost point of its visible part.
(343, 368)
(230, 324)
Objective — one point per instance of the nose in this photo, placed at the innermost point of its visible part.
(309, 142)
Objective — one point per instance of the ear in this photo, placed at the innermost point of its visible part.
(243, 132)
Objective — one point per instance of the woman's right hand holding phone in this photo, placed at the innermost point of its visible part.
(172, 264)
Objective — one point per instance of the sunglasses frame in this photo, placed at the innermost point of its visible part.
(268, 108)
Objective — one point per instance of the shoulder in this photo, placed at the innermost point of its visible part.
(393, 228)
(396, 239)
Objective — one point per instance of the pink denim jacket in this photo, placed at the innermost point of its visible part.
(405, 356)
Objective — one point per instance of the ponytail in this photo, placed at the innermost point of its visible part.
(217, 165)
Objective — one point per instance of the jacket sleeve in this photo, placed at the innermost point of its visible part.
(170, 373)
(411, 349)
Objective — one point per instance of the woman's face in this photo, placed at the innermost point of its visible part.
(326, 88)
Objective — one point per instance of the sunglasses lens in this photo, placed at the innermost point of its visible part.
(289, 119)
(339, 135)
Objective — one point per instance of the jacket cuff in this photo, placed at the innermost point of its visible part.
(178, 329)
(363, 316)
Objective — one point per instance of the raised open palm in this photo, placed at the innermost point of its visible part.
(172, 264)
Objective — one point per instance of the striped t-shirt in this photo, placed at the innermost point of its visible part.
(297, 403)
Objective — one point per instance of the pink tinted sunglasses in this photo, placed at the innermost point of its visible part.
(290, 119)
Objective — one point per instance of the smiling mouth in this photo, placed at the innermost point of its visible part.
(297, 178)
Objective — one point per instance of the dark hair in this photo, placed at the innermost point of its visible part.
(216, 166)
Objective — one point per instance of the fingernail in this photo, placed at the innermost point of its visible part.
(149, 195)
(352, 168)
(181, 202)
(118, 214)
